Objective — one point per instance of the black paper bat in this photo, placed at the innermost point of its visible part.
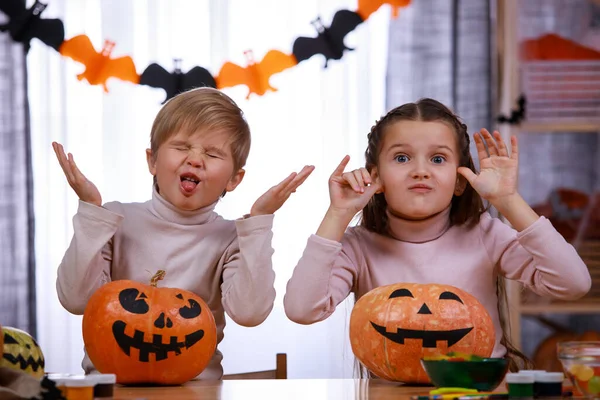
(516, 116)
(25, 24)
(329, 41)
(176, 82)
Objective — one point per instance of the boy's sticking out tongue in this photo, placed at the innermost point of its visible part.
(189, 183)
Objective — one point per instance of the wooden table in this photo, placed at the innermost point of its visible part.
(284, 389)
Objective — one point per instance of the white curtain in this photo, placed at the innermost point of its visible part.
(316, 117)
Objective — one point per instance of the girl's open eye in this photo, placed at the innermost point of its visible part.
(438, 159)
(401, 158)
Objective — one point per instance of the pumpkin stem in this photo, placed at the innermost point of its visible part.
(158, 276)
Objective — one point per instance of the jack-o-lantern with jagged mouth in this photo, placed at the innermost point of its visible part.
(393, 327)
(146, 334)
(21, 352)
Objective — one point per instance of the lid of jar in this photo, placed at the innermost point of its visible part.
(531, 371)
(515, 377)
(54, 375)
(75, 381)
(103, 379)
(549, 377)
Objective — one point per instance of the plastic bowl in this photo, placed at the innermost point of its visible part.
(484, 375)
(581, 362)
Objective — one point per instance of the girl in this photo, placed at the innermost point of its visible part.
(423, 221)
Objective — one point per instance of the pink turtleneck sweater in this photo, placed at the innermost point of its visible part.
(227, 263)
(433, 252)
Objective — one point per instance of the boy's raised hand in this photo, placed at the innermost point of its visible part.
(84, 188)
(350, 192)
(274, 198)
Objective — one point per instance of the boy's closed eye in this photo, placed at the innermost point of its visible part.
(182, 146)
(214, 152)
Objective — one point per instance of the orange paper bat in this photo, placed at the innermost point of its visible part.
(368, 7)
(99, 66)
(255, 75)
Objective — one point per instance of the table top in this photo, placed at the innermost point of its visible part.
(289, 389)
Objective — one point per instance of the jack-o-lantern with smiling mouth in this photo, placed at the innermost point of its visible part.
(393, 327)
(21, 352)
(146, 334)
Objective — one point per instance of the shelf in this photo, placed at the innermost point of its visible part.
(559, 126)
(576, 307)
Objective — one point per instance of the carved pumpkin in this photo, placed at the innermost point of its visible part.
(146, 334)
(392, 327)
(21, 352)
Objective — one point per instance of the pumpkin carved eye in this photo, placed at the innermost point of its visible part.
(130, 302)
(8, 339)
(401, 293)
(450, 296)
(191, 311)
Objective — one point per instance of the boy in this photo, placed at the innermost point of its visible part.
(199, 145)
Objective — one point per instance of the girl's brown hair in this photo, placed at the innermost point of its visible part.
(465, 209)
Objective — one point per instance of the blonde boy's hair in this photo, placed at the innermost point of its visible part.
(203, 109)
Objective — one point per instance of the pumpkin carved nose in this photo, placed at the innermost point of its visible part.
(424, 309)
(160, 321)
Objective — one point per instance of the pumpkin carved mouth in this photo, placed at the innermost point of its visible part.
(156, 347)
(429, 338)
(24, 363)
(19, 359)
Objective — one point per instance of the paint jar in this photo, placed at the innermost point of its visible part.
(520, 385)
(548, 384)
(76, 387)
(105, 384)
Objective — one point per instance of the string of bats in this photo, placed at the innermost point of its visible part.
(26, 24)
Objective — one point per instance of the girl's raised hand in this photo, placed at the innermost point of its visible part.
(498, 176)
(349, 192)
(84, 188)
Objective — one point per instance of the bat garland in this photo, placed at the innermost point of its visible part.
(98, 65)
(26, 24)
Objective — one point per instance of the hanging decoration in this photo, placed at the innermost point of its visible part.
(330, 40)
(255, 75)
(26, 23)
(368, 7)
(516, 115)
(98, 65)
(176, 82)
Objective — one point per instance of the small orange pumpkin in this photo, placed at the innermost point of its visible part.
(393, 327)
(146, 334)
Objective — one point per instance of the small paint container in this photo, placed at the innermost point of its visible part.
(76, 387)
(548, 384)
(105, 384)
(520, 385)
